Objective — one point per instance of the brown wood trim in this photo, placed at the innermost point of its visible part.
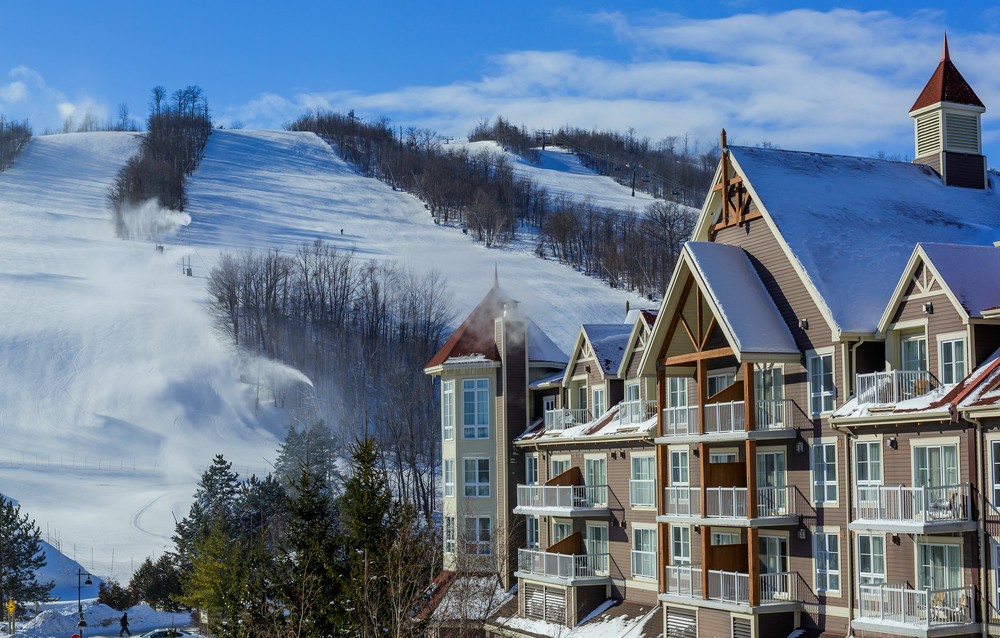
(702, 386)
(698, 356)
(687, 329)
(706, 548)
(752, 555)
(677, 314)
(732, 182)
(704, 340)
(735, 221)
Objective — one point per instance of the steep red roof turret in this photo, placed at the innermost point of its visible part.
(946, 85)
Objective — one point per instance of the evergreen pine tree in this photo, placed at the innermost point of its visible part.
(21, 555)
(315, 442)
(215, 499)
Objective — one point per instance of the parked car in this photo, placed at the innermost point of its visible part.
(168, 632)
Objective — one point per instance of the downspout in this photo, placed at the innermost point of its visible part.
(850, 539)
(980, 527)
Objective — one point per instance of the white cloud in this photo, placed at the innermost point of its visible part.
(13, 92)
(841, 80)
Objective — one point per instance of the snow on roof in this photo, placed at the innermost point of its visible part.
(472, 597)
(852, 222)
(971, 272)
(648, 315)
(555, 378)
(608, 341)
(541, 348)
(745, 305)
(607, 425)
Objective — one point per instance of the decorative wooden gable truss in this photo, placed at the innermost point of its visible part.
(737, 204)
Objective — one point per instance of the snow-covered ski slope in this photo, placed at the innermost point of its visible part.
(115, 391)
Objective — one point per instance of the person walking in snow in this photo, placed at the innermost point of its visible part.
(124, 623)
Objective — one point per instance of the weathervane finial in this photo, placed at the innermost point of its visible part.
(944, 51)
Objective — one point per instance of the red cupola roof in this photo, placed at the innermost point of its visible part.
(947, 85)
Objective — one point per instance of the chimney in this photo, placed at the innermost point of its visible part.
(947, 127)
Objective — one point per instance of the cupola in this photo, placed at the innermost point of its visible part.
(947, 127)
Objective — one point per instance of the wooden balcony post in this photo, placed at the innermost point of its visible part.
(662, 474)
(706, 547)
(749, 398)
(703, 477)
(751, 479)
(701, 366)
(754, 564)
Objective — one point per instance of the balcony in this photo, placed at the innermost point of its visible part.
(892, 608)
(890, 387)
(635, 412)
(559, 420)
(913, 510)
(562, 500)
(773, 417)
(579, 569)
(733, 588)
(775, 505)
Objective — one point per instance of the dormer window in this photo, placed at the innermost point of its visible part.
(952, 361)
(914, 353)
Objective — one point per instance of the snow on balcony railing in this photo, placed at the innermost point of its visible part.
(893, 604)
(631, 412)
(888, 503)
(642, 492)
(562, 496)
(730, 587)
(683, 580)
(682, 501)
(776, 501)
(559, 420)
(891, 387)
(726, 502)
(724, 417)
(563, 566)
(680, 420)
(773, 414)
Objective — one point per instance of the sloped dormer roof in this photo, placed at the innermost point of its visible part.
(608, 341)
(946, 85)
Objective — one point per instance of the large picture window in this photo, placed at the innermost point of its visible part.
(478, 533)
(476, 408)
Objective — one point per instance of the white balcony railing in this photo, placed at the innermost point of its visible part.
(773, 414)
(563, 566)
(726, 502)
(724, 417)
(730, 587)
(682, 501)
(776, 501)
(683, 580)
(630, 412)
(643, 564)
(559, 420)
(563, 496)
(680, 420)
(894, 604)
(642, 492)
(888, 503)
(779, 588)
(891, 387)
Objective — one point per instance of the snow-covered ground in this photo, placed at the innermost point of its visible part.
(115, 392)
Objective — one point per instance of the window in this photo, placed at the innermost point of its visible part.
(561, 531)
(597, 547)
(773, 551)
(642, 486)
(821, 387)
(449, 477)
(940, 566)
(632, 392)
(559, 466)
(449, 534)
(678, 468)
(725, 538)
(531, 531)
(915, 353)
(825, 473)
(677, 394)
(680, 536)
(827, 562)
(548, 404)
(936, 465)
(952, 361)
(598, 402)
(477, 535)
(531, 470)
(726, 457)
(719, 382)
(643, 552)
(596, 480)
(476, 408)
(768, 389)
(582, 397)
(448, 409)
(871, 559)
(477, 477)
(869, 462)
(996, 477)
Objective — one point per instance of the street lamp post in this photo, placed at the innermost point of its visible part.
(79, 604)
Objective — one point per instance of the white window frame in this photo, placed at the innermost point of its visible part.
(477, 486)
(581, 396)
(598, 395)
(531, 531)
(957, 345)
(478, 426)
(450, 535)
(871, 576)
(531, 469)
(680, 473)
(821, 397)
(481, 541)
(632, 389)
(995, 476)
(448, 469)
(648, 480)
(677, 394)
(724, 455)
(644, 557)
(448, 410)
(725, 538)
(731, 376)
(819, 452)
(821, 543)
(561, 525)
(680, 539)
(918, 339)
(562, 461)
(948, 543)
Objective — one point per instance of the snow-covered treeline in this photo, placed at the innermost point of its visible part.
(14, 136)
(361, 330)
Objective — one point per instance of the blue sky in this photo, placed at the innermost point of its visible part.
(802, 76)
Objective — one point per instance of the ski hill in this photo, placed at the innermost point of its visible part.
(116, 391)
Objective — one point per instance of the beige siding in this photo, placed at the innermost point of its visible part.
(714, 623)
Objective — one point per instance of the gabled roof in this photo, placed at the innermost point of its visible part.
(946, 85)
(972, 273)
(608, 341)
(850, 223)
(475, 339)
